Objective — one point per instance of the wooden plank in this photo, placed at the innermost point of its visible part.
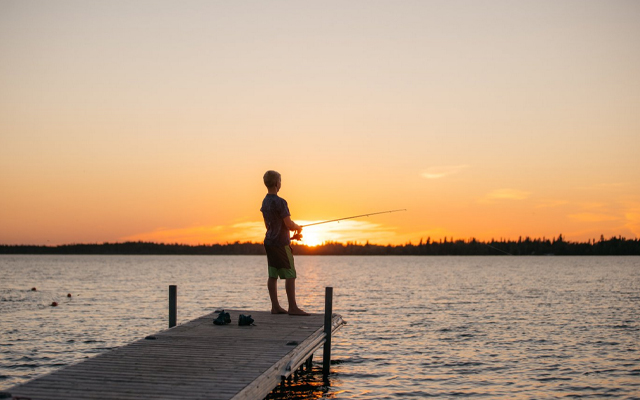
(194, 360)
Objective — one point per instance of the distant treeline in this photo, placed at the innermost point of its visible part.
(449, 247)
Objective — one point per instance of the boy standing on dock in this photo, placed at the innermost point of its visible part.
(277, 243)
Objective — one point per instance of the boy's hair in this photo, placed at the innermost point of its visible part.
(271, 178)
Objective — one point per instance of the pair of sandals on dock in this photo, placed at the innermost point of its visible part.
(224, 318)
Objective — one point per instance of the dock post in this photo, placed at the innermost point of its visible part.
(328, 319)
(173, 309)
(309, 363)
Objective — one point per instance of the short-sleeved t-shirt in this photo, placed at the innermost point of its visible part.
(274, 211)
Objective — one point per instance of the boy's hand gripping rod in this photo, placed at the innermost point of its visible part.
(298, 236)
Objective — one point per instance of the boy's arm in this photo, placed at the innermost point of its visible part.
(292, 226)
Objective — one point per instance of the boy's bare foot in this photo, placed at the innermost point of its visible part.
(279, 310)
(297, 311)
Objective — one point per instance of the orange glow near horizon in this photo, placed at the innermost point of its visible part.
(506, 127)
(401, 232)
(343, 232)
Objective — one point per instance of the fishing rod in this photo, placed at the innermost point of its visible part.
(298, 236)
(355, 216)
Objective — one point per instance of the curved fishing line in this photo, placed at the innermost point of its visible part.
(298, 236)
(355, 216)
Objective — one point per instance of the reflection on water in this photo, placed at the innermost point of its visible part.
(510, 327)
(308, 384)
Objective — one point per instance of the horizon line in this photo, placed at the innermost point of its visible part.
(429, 240)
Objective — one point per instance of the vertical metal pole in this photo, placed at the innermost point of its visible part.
(328, 313)
(173, 303)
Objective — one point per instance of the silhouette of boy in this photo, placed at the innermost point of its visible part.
(277, 243)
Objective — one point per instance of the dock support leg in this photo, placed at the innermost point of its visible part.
(310, 362)
(328, 318)
(173, 302)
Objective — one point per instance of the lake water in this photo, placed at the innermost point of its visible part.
(443, 327)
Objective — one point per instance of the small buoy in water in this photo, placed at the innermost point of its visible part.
(68, 294)
(33, 289)
(54, 304)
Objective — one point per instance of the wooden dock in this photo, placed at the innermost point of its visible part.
(195, 360)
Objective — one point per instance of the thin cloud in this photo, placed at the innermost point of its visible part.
(202, 234)
(442, 171)
(253, 231)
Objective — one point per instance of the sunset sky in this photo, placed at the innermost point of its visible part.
(155, 120)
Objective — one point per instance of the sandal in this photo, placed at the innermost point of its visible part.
(245, 320)
(223, 318)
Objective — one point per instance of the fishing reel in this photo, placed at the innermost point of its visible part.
(297, 236)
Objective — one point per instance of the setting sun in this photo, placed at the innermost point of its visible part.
(315, 235)
(311, 239)
(356, 231)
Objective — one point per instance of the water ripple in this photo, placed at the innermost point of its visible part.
(438, 327)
